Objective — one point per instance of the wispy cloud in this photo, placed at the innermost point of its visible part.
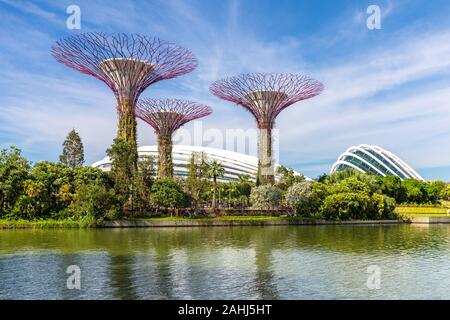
(393, 93)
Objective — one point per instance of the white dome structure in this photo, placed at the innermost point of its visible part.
(235, 164)
(374, 160)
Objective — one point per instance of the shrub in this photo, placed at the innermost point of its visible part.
(303, 199)
(167, 193)
(265, 197)
(94, 202)
(353, 206)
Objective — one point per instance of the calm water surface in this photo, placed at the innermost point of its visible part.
(291, 262)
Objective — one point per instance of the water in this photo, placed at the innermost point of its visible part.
(285, 262)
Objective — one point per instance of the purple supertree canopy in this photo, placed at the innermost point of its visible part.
(265, 95)
(127, 63)
(167, 115)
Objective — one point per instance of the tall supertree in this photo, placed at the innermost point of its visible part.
(265, 95)
(166, 116)
(127, 63)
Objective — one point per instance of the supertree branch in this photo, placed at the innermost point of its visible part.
(127, 63)
(265, 95)
(166, 116)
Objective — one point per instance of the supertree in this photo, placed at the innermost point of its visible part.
(127, 63)
(166, 116)
(265, 95)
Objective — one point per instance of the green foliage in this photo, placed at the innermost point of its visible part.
(124, 158)
(288, 178)
(13, 172)
(445, 193)
(166, 193)
(73, 151)
(351, 184)
(197, 184)
(266, 197)
(143, 183)
(357, 206)
(338, 176)
(94, 202)
(89, 175)
(214, 170)
(49, 187)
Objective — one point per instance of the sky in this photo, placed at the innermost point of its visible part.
(388, 87)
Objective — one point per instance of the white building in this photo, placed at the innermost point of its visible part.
(375, 160)
(234, 163)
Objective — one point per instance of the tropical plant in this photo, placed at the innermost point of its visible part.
(13, 172)
(266, 197)
(73, 151)
(166, 193)
(214, 170)
(124, 166)
(197, 184)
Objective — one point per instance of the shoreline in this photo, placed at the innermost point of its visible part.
(212, 222)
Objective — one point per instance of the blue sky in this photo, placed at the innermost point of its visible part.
(388, 87)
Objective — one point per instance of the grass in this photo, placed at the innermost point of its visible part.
(223, 218)
(412, 212)
(38, 224)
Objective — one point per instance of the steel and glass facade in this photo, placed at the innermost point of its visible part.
(234, 163)
(375, 160)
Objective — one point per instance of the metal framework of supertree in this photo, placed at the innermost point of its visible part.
(166, 116)
(127, 63)
(265, 95)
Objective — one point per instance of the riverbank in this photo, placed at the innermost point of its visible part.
(415, 218)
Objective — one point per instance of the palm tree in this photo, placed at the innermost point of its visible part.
(214, 170)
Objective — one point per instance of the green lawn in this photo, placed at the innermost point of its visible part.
(38, 224)
(422, 211)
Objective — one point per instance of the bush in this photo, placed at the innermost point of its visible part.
(167, 193)
(95, 202)
(302, 198)
(354, 206)
(265, 197)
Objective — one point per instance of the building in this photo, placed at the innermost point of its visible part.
(375, 160)
(234, 163)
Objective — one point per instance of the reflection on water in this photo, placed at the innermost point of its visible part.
(285, 262)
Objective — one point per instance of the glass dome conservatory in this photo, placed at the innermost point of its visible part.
(375, 160)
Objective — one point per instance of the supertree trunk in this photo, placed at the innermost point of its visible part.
(127, 122)
(266, 170)
(166, 116)
(165, 165)
(265, 95)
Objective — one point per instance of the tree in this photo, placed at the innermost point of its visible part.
(214, 170)
(167, 193)
(445, 192)
(265, 197)
(392, 187)
(288, 178)
(244, 187)
(143, 182)
(91, 176)
(433, 189)
(73, 151)
(47, 191)
(124, 166)
(196, 183)
(304, 199)
(13, 172)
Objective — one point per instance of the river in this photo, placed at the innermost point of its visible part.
(277, 262)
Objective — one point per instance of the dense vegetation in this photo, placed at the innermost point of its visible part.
(65, 191)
